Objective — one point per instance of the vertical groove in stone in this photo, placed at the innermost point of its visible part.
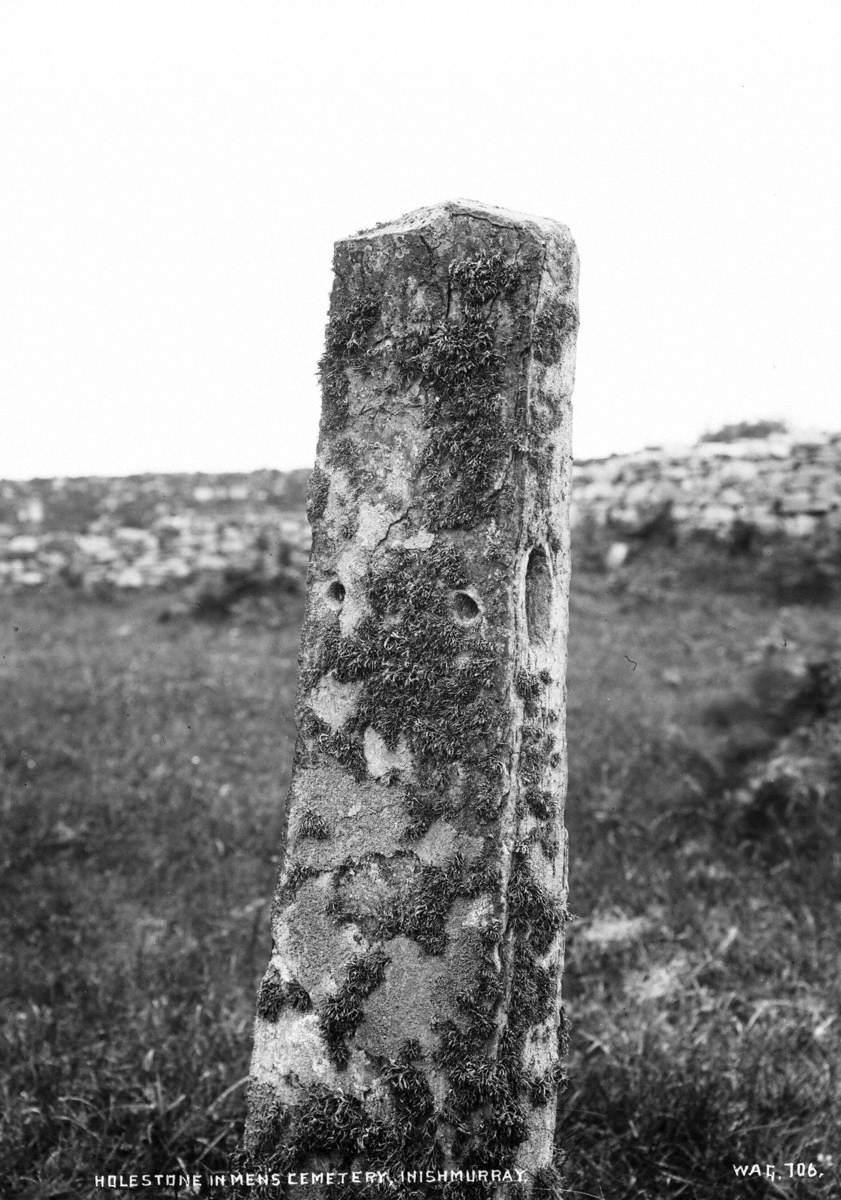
(410, 1014)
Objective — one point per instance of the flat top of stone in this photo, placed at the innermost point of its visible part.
(505, 218)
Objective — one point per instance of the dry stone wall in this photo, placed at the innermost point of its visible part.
(153, 531)
(786, 484)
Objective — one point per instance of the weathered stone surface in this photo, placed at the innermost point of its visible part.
(418, 924)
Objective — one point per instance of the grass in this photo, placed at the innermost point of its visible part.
(702, 976)
(144, 770)
(144, 767)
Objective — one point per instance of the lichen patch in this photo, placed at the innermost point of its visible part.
(364, 818)
(381, 760)
(334, 702)
(310, 942)
(403, 1006)
(289, 1053)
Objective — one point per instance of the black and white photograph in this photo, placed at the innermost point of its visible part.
(420, 600)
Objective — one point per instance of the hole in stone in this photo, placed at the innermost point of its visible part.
(336, 594)
(538, 596)
(465, 608)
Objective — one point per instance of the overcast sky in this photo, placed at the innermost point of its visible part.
(174, 173)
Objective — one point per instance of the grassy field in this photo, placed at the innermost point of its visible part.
(144, 766)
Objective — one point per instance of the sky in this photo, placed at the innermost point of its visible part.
(175, 173)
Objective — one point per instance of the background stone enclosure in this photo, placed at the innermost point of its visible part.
(785, 483)
(171, 530)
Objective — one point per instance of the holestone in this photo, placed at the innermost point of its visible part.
(412, 1016)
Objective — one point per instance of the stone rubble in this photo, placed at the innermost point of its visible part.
(88, 533)
(786, 483)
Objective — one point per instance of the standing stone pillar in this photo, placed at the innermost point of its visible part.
(410, 1018)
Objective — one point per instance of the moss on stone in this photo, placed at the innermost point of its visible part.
(484, 277)
(343, 1012)
(533, 989)
(346, 344)
(489, 1094)
(459, 367)
(415, 1117)
(425, 677)
(343, 745)
(318, 491)
(528, 687)
(418, 896)
(531, 1002)
(327, 1121)
(298, 872)
(276, 994)
(424, 805)
(544, 1088)
(312, 825)
(420, 910)
(540, 803)
(478, 797)
(346, 454)
(531, 909)
(536, 752)
(482, 795)
(549, 840)
(551, 327)
(484, 1103)
(337, 1128)
(526, 684)
(469, 443)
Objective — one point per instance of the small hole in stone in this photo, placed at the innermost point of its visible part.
(538, 596)
(465, 608)
(336, 593)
